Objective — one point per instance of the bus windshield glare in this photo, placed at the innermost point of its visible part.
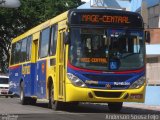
(107, 49)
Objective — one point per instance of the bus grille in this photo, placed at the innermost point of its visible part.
(3, 87)
(108, 78)
(108, 94)
(113, 87)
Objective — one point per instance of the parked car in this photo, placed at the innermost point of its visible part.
(4, 86)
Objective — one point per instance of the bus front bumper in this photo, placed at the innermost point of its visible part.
(97, 95)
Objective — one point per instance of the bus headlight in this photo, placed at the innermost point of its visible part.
(138, 83)
(75, 80)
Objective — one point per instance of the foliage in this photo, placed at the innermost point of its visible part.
(14, 22)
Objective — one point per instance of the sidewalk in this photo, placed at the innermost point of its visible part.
(142, 106)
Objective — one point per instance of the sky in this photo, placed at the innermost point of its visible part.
(10, 3)
(85, 0)
(123, 4)
(135, 4)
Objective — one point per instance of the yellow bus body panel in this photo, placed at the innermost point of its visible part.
(82, 94)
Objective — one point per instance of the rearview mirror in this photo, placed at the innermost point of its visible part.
(67, 38)
(147, 37)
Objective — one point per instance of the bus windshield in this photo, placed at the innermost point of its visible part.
(107, 49)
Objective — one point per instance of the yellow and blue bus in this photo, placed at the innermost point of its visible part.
(82, 55)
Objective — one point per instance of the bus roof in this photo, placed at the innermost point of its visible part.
(72, 21)
(41, 26)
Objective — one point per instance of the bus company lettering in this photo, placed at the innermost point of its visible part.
(105, 19)
(122, 83)
(26, 70)
(94, 60)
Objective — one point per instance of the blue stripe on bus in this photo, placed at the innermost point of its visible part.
(107, 78)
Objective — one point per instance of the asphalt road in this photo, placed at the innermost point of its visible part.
(11, 109)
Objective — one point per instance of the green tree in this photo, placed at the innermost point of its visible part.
(14, 22)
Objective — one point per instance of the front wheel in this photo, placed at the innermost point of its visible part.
(33, 101)
(55, 105)
(115, 107)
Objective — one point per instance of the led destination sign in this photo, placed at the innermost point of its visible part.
(106, 18)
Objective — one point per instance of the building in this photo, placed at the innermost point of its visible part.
(151, 16)
(152, 10)
(153, 64)
(154, 14)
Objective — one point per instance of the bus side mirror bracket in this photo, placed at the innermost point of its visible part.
(67, 38)
(147, 37)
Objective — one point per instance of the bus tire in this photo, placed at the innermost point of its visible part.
(55, 105)
(115, 106)
(33, 101)
(73, 104)
(23, 99)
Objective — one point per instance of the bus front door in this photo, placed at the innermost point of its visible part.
(61, 67)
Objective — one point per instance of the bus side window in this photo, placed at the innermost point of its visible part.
(23, 50)
(13, 53)
(44, 43)
(29, 41)
(18, 52)
(53, 41)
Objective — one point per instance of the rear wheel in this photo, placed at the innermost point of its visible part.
(23, 99)
(33, 101)
(115, 107)
(55, 105)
